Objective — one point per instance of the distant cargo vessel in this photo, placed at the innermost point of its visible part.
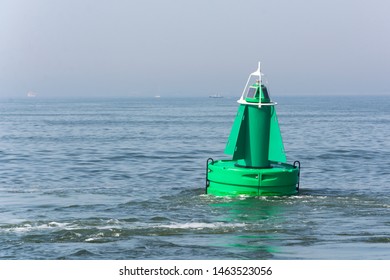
(215, 96)
(31, 94)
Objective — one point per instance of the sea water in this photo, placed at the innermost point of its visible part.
(125, 179)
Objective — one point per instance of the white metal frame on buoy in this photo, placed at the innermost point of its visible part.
(244, 94)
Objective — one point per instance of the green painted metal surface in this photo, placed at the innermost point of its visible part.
(276, 147)
(225, 178)
(256, 138)
(235, 145)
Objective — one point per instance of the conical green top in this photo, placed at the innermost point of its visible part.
(257, 93)
(255, 138)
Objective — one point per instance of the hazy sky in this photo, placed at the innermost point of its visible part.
(199, 47)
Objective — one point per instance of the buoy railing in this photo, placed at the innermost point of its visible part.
(296, 164)
(209, 160)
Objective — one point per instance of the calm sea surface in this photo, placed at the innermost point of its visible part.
(124, 179)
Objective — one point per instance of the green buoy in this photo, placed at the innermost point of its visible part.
(258, 166)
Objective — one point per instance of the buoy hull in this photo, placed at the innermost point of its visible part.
(226, 178)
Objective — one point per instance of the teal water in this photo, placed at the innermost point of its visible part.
(124, 179)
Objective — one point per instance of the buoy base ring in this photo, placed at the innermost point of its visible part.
(225, 178)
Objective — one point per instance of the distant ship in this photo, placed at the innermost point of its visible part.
(215, 96)
(31, 94)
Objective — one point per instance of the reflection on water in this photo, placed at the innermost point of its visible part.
(260, 218)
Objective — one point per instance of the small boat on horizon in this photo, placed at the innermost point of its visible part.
(31, 94)
(215, 96)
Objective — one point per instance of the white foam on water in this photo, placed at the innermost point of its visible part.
(95, 237)
(26, 227)
(90, 239)
(201, 225)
